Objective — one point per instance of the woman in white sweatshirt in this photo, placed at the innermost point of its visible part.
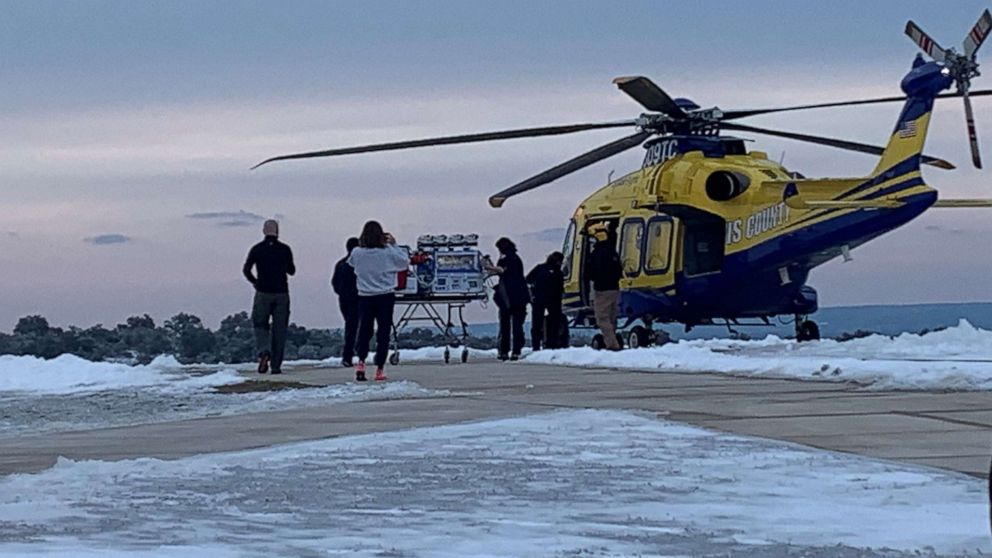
(376, 261)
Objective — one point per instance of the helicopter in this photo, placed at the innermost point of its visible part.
(710, 233)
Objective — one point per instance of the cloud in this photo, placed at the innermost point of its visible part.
(554, 235)
(13, 235)
(240, 218)
(104, 239)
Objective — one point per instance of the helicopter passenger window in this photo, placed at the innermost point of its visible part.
(630, 246)
(658, 247)
(567, 251)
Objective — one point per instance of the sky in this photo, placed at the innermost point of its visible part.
(127, 129)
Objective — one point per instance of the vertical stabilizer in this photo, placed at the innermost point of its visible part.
(921, 85)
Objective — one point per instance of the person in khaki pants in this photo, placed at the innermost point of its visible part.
(606, 272)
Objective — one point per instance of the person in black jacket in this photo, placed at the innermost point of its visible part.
(547, 285)
(273, 261)
(511, 299)
(606, 271)
(345, 285)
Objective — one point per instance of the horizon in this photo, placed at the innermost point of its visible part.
(214, 325)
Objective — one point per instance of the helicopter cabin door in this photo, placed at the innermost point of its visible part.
(703, 244)
(588, 242)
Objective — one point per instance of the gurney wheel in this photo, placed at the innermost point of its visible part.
(464, 355)
(394, 358)
(447, 356)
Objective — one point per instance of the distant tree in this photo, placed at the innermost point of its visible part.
(326, 343)
(138, 322)
(36, 337)
(32, 325)
(235, 340)
(141, 340)
(94, 343)
(184, 335)
(193, 342)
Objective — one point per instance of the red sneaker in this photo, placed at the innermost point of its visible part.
(360, 371)
(380, 375)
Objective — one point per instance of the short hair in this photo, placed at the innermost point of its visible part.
(506, 246)
(556, 258)
(351, 244)
(372, 236)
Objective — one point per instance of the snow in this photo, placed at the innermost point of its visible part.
(71, 374)
(563, 483)
(957, 358)
(69, 393)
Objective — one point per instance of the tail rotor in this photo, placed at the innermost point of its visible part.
(961, 67)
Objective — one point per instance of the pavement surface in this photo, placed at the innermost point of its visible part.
(949, 430)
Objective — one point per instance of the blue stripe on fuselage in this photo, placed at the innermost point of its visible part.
(909, 165)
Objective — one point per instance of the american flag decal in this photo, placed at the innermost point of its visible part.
(908, 129)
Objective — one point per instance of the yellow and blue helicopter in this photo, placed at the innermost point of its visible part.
(709, 232)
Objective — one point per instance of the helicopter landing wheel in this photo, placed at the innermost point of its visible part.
(807, 330)
(464, 355)
(394, 358)
(597, 342)
(639, 336)
(447, 356)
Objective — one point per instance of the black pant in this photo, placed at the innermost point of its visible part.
(273, 342)
(538, 324)
(349, 311)
(515, 315)
(378, 309)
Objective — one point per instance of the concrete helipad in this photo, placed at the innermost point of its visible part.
(950, 430)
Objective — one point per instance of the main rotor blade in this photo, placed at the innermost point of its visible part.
(570, 166)
(735, 114)
(448, 140)
(969, 116)
(842, 144)
(652, 97)
(925, 43)
(977, 34)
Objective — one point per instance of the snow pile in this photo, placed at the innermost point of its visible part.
(958, 358)
(71, 374)
(581, 483)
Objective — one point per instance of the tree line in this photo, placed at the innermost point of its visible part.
(139, 340)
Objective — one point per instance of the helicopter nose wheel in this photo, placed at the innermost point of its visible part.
(806, 330)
